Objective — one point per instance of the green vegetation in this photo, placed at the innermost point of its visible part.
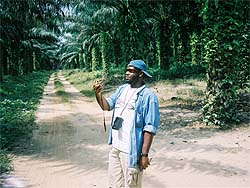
(83, 80)
(19, 99)
(5, 162)
(225, 35)
(60, 91)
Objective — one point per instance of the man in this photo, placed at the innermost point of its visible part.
(134, 123)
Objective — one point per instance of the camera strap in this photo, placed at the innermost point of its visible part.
(104, 122)
(128, 100)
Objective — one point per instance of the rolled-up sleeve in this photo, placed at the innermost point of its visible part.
(151, 114)
(111, 102)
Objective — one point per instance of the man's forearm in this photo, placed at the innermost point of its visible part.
(147, 141)
(102, 102)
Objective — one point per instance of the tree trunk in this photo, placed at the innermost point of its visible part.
(165, 50)
(81, 61)
(185, 44)
(27, 61)
(2, 59)
(117, 53)
(5, 62)
(87, 58)
(94, 59)
(14, 63)
(107, 55)
(223, 23)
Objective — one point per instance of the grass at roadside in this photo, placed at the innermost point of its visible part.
(183, 92)
(60, 91)
(19, 99)
(83, 81)
(189, 93)
(5, 162)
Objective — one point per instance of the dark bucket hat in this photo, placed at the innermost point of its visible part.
(139, 64)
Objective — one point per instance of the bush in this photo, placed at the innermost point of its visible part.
(17, 118)
(180, 70)
(19, 99)
(5, 162)
(17, 106)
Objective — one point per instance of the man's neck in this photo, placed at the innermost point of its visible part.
(137, 85)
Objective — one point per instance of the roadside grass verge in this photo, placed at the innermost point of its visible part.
(19, 99)
(83, 81)
(187, 93)
(60, 91)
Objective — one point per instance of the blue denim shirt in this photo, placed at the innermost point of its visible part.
(146, 118)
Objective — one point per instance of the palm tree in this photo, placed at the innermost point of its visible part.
(94, 34)
(129, 28)
(24, 26)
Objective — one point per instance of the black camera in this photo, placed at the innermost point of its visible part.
(117, 124)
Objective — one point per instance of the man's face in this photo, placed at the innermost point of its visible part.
(131, 75)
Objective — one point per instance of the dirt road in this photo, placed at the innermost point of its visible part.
(69, 150)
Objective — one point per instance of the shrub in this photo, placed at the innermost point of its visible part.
(17, 118)
(5, 162)
(18, 102)
(17, 106)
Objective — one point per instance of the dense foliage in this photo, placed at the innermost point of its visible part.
(108, 34)
(18, 102)
(19, 99)
(226, 55)
(28, 36)
(5, 162)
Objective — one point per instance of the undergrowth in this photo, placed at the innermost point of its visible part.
(19, 99)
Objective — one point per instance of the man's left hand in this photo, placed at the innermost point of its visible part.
(144, 162)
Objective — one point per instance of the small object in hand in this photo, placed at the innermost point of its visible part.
(97, 84)
(99, 81)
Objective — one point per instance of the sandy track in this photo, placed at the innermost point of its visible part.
(69, 150)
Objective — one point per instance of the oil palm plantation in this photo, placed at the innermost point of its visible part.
(28, 35)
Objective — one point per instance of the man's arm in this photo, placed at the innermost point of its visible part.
(103, 103)
(151, 124)
(147, 141)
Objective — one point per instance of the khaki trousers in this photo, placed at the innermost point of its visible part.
(119, 173)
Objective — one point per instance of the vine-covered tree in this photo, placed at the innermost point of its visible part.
(225, 23)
